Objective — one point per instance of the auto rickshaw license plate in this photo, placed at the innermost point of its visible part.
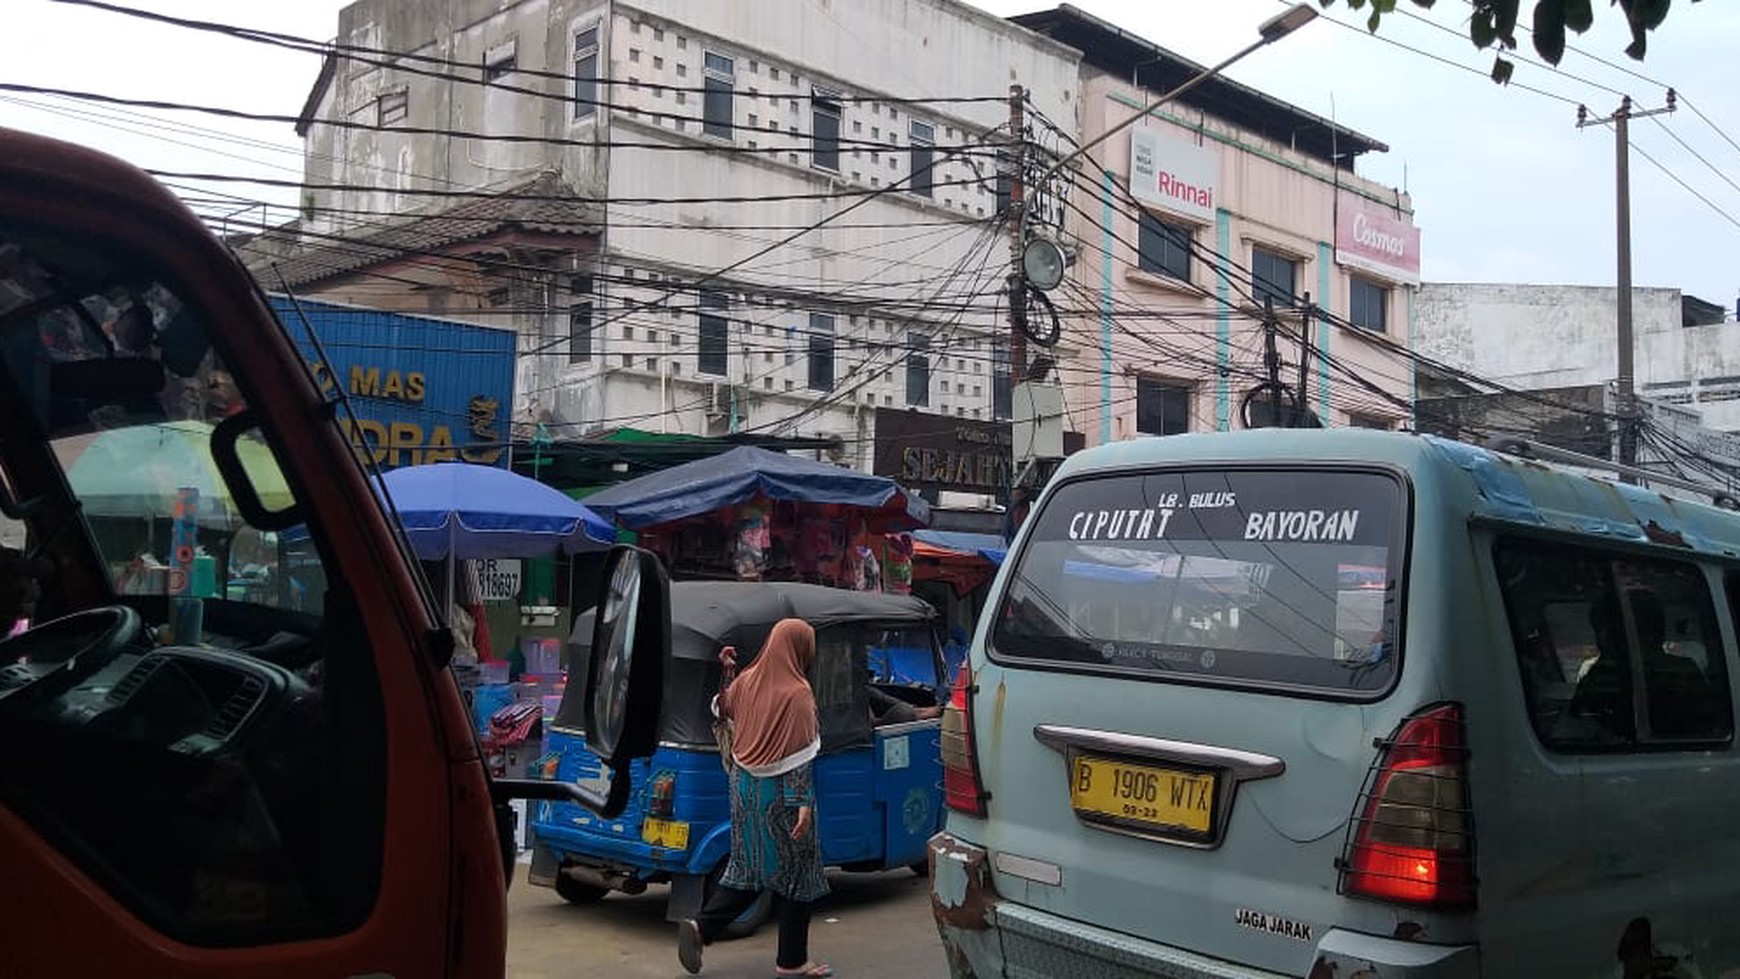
(1142, 795)
(667, 833)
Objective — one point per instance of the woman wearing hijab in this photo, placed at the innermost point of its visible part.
(774, 846)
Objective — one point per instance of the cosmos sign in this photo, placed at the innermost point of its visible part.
(1377, 239)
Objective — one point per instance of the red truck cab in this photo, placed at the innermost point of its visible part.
(226, 748)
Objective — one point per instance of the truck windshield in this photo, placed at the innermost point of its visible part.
(1272, 578)
(122, 378)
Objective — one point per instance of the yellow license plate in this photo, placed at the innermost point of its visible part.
(1142, 795)
(670, 834)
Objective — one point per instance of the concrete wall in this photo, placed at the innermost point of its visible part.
(1183, 331)
(1540, 336)
(896, 265)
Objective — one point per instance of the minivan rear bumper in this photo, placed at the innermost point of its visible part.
(985, 936)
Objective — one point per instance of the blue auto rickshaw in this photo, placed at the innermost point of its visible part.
(878, 787)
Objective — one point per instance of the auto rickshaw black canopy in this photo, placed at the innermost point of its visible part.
(707, 615)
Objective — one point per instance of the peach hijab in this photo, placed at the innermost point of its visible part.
(770, 704)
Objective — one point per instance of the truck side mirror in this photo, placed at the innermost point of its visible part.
(631, 638)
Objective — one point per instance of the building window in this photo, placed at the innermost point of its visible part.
(1368, 305)
(1002, 385)
(1161, 408)
(500, 61)
(821, 352)
(1163, 247)
(716, 103)
(715, 347)
(392, 107)
(1274, 277)
(918, 370)
(923, 158)
(586, 73)
(580, 320)
(1378, 422)
(825, 130)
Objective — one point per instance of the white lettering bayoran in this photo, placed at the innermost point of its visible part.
(1302, 525)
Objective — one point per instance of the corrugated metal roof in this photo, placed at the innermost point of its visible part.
(1112, 49)
(544, 204)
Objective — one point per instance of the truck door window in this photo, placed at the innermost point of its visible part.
(221, 776)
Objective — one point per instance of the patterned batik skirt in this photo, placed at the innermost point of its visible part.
(763, 854)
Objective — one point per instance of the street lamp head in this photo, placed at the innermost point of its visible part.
(1286, 22)
(1043, 262)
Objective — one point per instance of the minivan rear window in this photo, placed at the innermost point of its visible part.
(1284, 578)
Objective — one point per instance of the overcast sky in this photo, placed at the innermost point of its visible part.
(1506, 188)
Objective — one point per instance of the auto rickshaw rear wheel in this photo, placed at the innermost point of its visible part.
(575, 892)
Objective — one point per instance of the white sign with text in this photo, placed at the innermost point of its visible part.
(499, 579)
(1174, 175)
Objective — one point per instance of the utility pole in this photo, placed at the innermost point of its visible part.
(1272, 362)
(1627, 379)
(1307, 325)
(1017, 218)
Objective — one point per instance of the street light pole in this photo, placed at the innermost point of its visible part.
(1021, 191)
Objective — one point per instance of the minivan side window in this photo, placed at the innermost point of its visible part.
(1615, 652)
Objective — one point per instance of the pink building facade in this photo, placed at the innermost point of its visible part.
(1191, 222)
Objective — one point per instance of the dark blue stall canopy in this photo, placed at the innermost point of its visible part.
(746, 472)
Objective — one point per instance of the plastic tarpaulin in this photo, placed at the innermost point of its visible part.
(486, 512)
(956, 558)
(706, 615)
(745, 473)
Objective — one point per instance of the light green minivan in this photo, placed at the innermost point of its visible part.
(1348, 704)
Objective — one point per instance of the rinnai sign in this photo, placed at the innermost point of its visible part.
(1371, 237)
(1174, 175)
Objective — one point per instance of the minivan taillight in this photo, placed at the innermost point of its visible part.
(1413, 842)
(961, 789)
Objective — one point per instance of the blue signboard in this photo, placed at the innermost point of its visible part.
(422, 389)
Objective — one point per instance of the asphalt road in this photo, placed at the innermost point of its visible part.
(871, 926)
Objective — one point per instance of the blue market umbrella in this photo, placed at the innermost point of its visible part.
(474, 512)
(743, 473)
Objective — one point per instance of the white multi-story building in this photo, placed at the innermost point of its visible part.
(702, 217)
(1686, 352)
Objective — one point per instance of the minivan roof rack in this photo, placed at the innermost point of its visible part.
(1525, 449)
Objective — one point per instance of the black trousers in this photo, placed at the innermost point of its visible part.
(726, 903)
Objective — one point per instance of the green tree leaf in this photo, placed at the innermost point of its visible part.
(1493, 22)
(1505, 18)
(1579, 15)
(1481, 29)
(1550, 30)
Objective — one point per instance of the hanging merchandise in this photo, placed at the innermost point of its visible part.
(472, 589)
(749, 557)
(869, 569)
(899, 567)
(818, 550)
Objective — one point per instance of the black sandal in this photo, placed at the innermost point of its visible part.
(689, 945)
